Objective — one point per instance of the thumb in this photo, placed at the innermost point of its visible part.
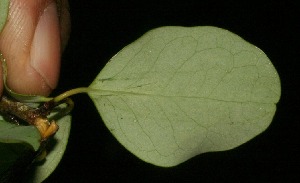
(30, 43)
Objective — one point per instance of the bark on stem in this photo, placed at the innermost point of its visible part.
(33, 116)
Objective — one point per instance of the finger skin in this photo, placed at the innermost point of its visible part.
(31, 44)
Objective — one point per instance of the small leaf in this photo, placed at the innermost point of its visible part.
(15, 142)
(40, 172)
(11, 133)
(4, 6)
(178, 92)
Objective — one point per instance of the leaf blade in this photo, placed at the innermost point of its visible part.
(11, 133)
(177, 92)
(40, 172)
(4, 6)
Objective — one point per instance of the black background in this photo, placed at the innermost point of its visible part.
(100, 28)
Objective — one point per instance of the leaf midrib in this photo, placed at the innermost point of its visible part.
(104, 93)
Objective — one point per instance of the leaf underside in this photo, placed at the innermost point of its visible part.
(55, 152)
(178, 92)
(4, 6)
(15, 140)
(12, 133)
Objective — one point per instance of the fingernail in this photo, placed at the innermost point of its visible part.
(45, 51)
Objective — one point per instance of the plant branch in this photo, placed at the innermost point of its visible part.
(35, 116)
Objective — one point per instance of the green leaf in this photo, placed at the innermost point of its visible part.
(4, 6)
(11, 133)
(178, 92)
(15, 141)
(40, 172)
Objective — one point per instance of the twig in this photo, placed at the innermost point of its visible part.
(34, 116)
